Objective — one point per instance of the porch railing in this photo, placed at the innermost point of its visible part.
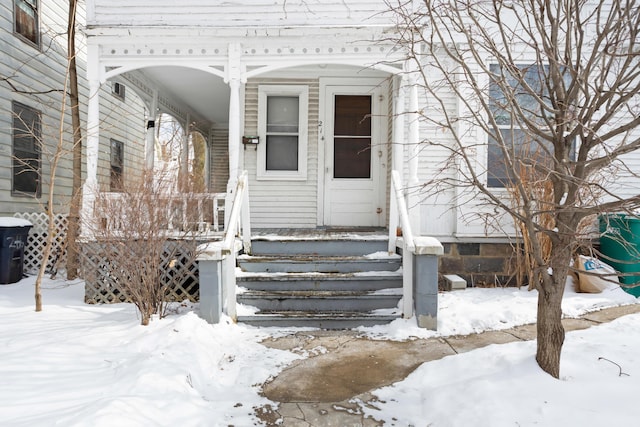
(419, 261)
(195, 212)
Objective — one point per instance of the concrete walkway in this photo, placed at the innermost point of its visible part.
(340, 367)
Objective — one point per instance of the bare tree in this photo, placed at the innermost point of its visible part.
(546, 96)
(55, 157)
(146, 243)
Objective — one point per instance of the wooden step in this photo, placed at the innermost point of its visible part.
(322, 320)
(325, 281)
(314, 281)
(312, 301)
(344, 246)
(324, 264)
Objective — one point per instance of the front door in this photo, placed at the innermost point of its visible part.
(353, 137)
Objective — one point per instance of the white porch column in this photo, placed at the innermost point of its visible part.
(397, 150)
(234, 132)
(413, 199)
(235, 78)
(90, 187)
(150, 147)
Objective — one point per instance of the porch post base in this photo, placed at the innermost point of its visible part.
(211, 276)
(426, 282)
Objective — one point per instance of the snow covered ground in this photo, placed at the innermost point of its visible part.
(85, 365)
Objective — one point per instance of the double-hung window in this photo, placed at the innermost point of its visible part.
(26, 151)
(26, 19)
(282, 129)
(512, 100)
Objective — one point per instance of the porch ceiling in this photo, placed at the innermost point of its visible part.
(202, 93)
(205, 96)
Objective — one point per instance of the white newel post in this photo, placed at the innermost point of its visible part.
(413, 199)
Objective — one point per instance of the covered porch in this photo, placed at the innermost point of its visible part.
(214, 90)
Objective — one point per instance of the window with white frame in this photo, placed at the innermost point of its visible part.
(26, 151)
(527, 91)
(282, 129)
(26, 19)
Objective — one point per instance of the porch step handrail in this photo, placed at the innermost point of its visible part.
(239, 218)
(399, 216)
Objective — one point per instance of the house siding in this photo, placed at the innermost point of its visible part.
(283, 203)
(219, 160)
(233, 14)
(38, 74)
(437, 210)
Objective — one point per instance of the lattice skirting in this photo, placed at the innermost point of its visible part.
(179, 273)
(34, 251)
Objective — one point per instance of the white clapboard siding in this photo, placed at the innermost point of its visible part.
(283, 203)
(38, 74)
(219, 160)
(248, 13)
(438, 213)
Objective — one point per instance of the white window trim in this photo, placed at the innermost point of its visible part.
(302, 92)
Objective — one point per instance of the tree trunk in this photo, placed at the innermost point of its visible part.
(549, 327)
(38, 295)
(74, 210)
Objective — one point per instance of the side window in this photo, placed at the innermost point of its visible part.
(118, 90)
(505, 90)
(26, 151)
(116, 182)
(26, 19)
(282, 128)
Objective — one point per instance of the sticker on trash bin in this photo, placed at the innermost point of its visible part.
(17, 242)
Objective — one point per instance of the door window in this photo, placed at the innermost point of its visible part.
(352, 137)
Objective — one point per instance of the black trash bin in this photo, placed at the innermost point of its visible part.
(14, 233)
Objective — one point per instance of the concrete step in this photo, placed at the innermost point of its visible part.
(322, 320)
(314, 281)
(319, 301)
(325, 264)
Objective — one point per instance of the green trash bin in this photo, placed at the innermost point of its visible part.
(14, 233)
(620, 245)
